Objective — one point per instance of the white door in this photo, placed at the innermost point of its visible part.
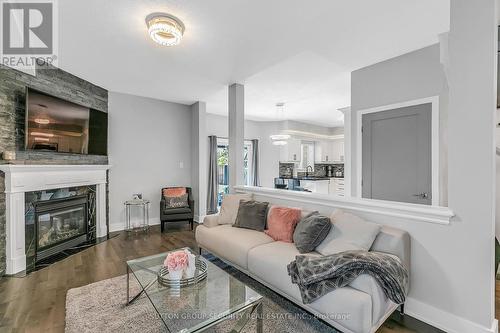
(397, 154)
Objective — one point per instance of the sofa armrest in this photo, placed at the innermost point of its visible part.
(211, 220)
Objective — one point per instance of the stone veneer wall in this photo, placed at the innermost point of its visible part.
(52, 81)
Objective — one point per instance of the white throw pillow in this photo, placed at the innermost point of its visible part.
(349, 232)
(229, 207)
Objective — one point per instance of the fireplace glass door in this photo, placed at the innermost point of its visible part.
(58, 226)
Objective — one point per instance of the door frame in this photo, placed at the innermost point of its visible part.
(434, 100)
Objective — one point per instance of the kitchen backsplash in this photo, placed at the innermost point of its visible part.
(286, 170)
(320, 170)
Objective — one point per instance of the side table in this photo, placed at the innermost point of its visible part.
(144, 205)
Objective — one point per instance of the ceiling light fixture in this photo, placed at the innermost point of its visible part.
(279, 143)
(42, 121)
(165, 29)
(280, 137)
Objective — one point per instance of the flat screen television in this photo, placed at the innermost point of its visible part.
(57, 125)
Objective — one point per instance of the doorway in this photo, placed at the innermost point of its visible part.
(223, 166)
(398, 153)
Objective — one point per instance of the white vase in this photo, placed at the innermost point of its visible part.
(191, 267)
(175, 275)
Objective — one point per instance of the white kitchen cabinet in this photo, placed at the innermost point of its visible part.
(337, 187)
(291, 151)
(316, 186)
(337, 151)
(323, 151)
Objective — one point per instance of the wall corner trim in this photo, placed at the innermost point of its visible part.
(420, 213)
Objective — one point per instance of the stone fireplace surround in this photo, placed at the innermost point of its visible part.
(20, 179)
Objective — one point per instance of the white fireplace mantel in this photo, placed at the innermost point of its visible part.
(20, 179)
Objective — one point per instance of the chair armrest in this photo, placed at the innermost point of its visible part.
(211, 220)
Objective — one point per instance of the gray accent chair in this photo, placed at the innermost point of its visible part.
(176, 214)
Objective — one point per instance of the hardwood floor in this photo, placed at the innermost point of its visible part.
(36, 303)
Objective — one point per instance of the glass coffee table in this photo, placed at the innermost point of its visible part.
(198, 307)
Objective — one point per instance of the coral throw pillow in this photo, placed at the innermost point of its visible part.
(174, 191)
(281, 223)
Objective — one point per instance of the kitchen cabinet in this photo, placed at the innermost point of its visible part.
(316, 186)
(291, 151)
(337, 151)
(337, 187)
(329, 151)
(322, 151)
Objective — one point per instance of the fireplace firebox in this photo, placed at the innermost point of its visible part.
(60, 224)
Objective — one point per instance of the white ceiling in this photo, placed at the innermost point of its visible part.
(293, 51)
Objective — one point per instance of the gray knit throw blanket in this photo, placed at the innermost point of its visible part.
(317, 276)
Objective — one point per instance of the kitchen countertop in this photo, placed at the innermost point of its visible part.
(311, 178)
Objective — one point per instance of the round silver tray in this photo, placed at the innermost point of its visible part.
(199, 275)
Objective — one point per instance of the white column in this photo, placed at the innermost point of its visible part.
(347, 150)
(100, 202)
(199, 159)
(471, 138)
(15, 232)
(236, 134)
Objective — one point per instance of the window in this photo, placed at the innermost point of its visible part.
(306, 154)
(223, 166)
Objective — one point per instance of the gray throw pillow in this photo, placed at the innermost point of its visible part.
(177, 202)
(251, 215)
(311, 231)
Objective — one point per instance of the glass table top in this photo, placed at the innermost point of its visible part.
(195, 307)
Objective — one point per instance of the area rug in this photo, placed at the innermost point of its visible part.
(99, 307)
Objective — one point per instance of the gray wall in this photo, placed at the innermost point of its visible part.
(452, 266)
(52, 81)
(414, 75)
(148, 139)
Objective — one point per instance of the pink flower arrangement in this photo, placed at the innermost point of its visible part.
(176, 261)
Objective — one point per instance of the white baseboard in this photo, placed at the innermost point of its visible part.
(15, 265)
(121, 226)
(445, 321)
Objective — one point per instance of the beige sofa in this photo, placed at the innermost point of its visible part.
(360, 307)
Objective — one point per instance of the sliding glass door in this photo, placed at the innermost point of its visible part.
(223, 166)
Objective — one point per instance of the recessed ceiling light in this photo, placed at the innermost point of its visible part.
(42, 121)
(165, 29)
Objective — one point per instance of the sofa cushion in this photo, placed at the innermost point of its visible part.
(310, 232)
(363, 301)
(349, 232)
(281, 223)
(269, 262)
(252, 215)
(229, 207)
(230, 243)
(347, 306)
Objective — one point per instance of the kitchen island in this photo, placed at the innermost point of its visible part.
(315, 184)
